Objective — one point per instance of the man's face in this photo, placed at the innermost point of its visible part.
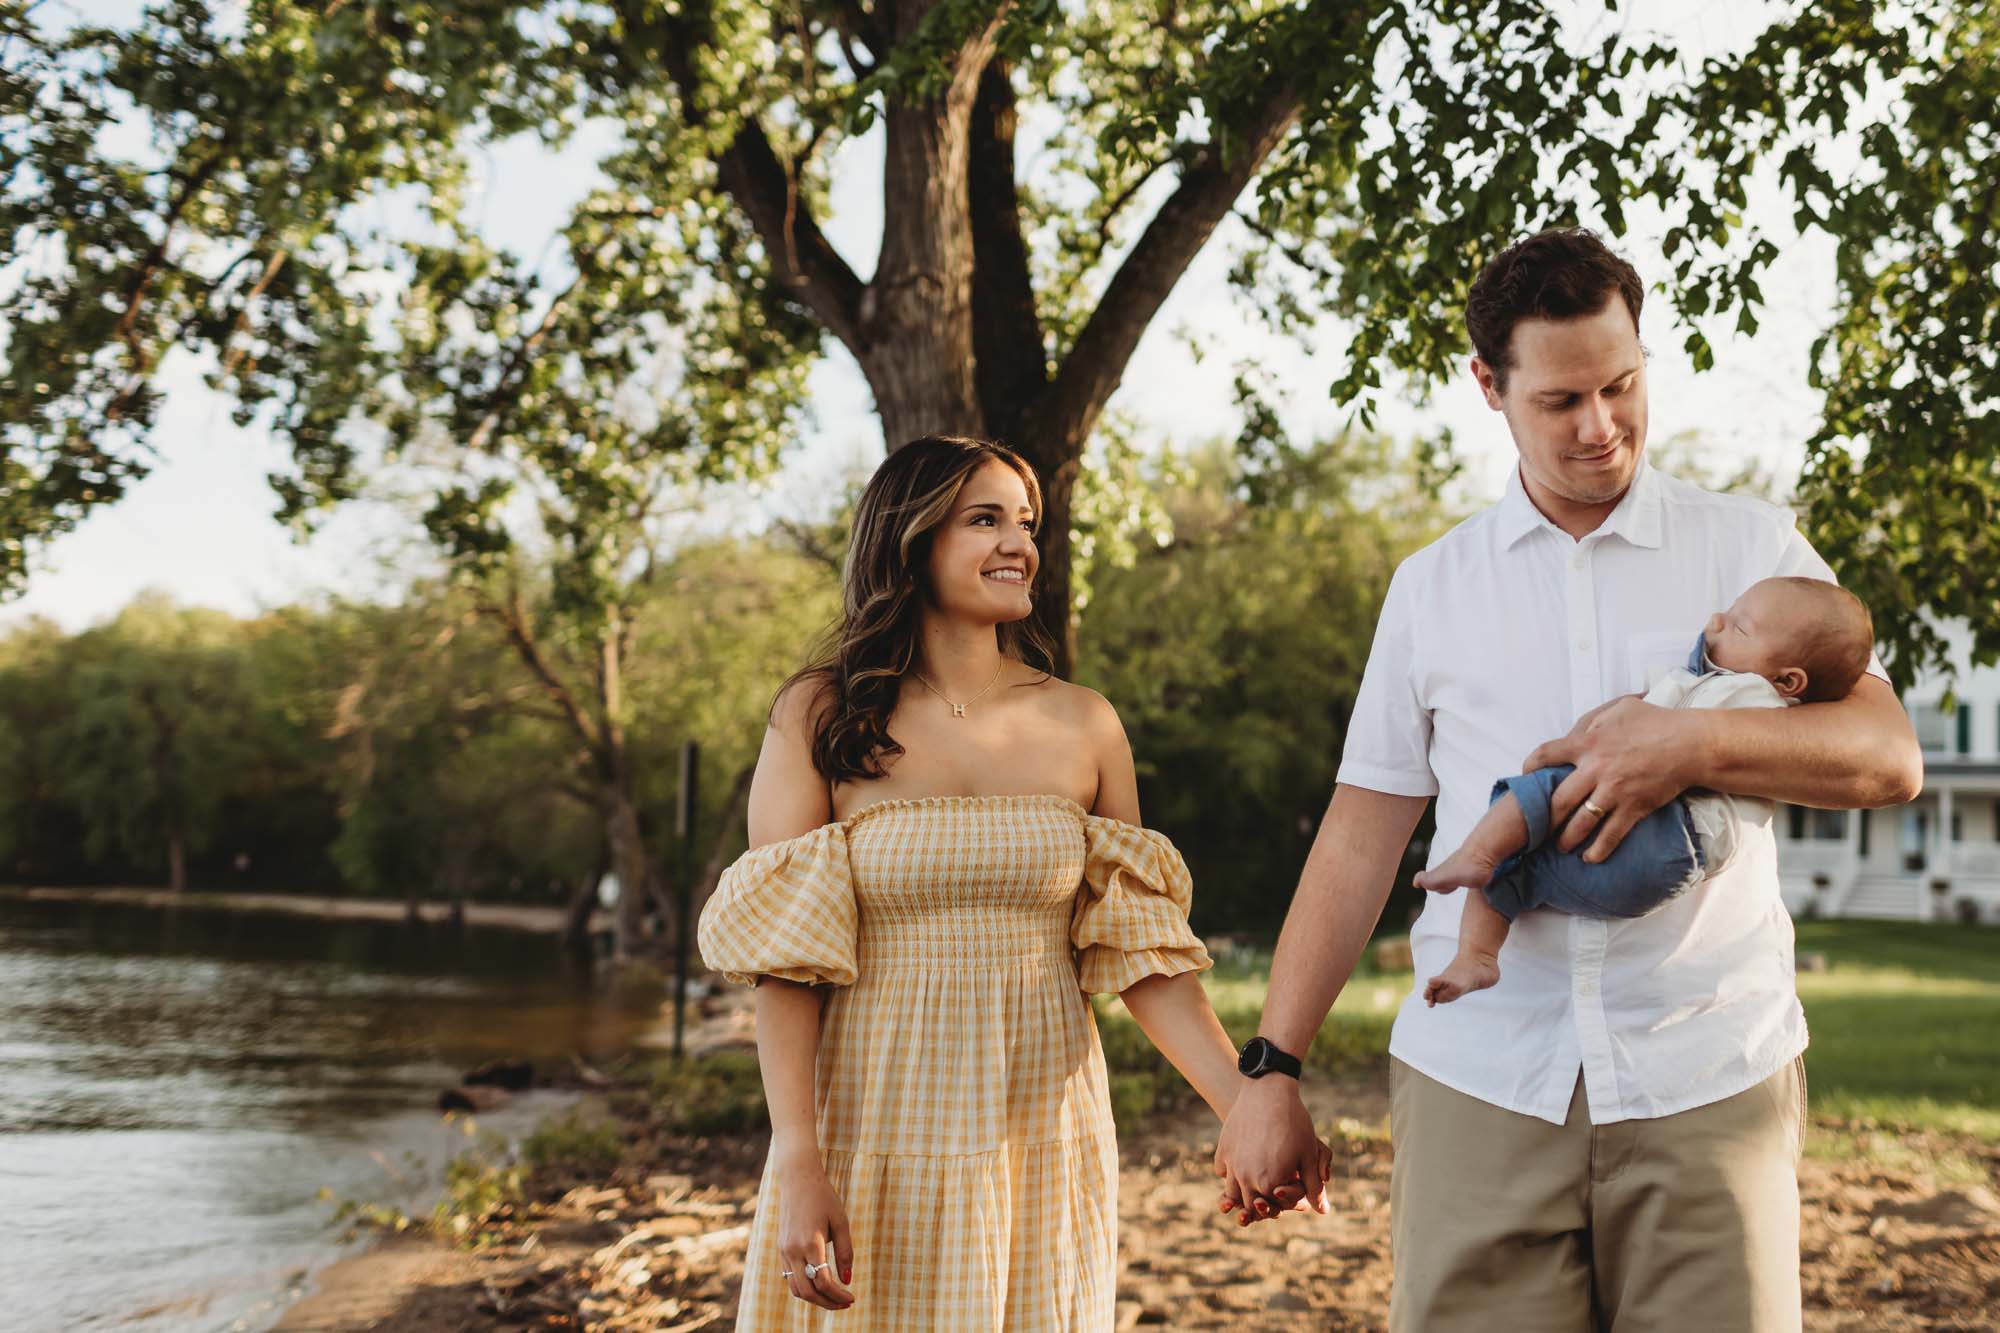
(1575, 402)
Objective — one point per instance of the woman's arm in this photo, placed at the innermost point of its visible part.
(1174, 1012)
(788, 798)
(1176, 1016)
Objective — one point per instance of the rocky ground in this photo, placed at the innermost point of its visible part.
(1901, 1233)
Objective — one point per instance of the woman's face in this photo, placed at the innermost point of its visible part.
(983, 557)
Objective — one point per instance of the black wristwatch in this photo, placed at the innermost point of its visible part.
(1259, 1057)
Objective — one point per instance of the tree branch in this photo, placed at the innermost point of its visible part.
(852, 23)
(751, 173)
(513, 618)
(1208, 189)
(1010, 362)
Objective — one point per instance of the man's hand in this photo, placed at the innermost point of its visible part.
(1631, 758)
(1268, 1156)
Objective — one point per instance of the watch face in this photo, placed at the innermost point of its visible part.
(1252, 1058)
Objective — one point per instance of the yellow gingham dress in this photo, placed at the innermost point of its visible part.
(961, 1091)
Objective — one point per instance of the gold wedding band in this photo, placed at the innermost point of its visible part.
(1593, 807)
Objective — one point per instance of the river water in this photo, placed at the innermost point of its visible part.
(177, 1087)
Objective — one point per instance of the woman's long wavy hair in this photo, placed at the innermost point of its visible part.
(857, 674)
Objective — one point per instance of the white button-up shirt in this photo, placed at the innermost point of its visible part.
(1497, 637)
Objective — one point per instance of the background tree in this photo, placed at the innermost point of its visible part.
(1234, 650)
(1373, 155)
(147, 728)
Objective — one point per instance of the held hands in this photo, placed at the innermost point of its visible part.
(810, 1216)
(1268, 1157)
(1631, 758)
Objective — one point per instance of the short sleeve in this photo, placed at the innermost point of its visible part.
(785, 910)
(1799, 560)
(1131, 919)
(1389, 733)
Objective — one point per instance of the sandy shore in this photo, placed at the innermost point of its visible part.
(1901, 1233)
(498, 916)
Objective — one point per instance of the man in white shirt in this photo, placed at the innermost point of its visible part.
(1610, 1138)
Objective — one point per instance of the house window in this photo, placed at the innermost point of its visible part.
(1828, 825)
(1965, 728)
(1796, 822)
(1933, 728)
(1864, 826)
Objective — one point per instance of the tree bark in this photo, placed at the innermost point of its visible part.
(576, 912)
(176, 862)
(917, 311)
(628, 859)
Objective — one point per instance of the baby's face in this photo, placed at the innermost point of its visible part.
(1755, 634)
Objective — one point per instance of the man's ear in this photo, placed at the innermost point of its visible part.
(1489, 383)
(1791, 681)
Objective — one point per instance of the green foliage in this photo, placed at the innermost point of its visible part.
(1233, 651)
(572, 1147)
(390, 749)
(1882, 122)
(718, 1093)
(1375, 155)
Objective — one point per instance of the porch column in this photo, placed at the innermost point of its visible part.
(1941, 854)
(1850, 839)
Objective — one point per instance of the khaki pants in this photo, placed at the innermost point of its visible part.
(1505, 1222)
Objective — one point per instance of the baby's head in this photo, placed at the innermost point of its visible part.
(1809, 638)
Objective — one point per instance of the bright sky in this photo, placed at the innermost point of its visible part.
(200, 526)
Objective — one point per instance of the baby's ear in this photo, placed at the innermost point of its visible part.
(1790, 681)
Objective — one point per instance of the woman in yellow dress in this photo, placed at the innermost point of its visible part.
(945, 859)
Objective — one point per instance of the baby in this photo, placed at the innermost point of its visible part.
(1784, 641)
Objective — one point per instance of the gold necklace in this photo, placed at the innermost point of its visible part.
(957, 709)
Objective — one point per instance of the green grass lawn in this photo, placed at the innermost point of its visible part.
(1905, 1029)
(1905, 1025)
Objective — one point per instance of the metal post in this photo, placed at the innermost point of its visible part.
(684, 825)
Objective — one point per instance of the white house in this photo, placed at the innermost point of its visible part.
(1937, 858)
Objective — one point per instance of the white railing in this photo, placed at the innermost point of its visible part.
(1975, 860)
(1813, 858)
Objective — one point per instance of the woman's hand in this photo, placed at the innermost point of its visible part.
(810, 1216)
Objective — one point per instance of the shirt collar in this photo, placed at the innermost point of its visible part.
(1636, 517)
(1699, 662)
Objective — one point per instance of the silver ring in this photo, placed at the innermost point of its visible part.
(786, 1273)
(1593, 807)
(813, 1270)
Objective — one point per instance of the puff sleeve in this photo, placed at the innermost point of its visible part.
(786, 910)
(1131, 919)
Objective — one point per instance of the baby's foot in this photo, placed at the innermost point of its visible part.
(1463, 869)
(1466, 973)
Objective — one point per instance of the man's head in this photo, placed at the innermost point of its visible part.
(1554, 321)
(1808, 637)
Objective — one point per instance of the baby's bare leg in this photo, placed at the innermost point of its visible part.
(1481, 932)
(1500, 832)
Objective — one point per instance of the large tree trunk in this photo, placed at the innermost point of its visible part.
(916, 318)
(177, 879)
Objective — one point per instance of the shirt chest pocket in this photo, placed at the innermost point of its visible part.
(1650, 656)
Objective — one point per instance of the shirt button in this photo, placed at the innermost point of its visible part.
(1583, 645)
(1576, 561)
